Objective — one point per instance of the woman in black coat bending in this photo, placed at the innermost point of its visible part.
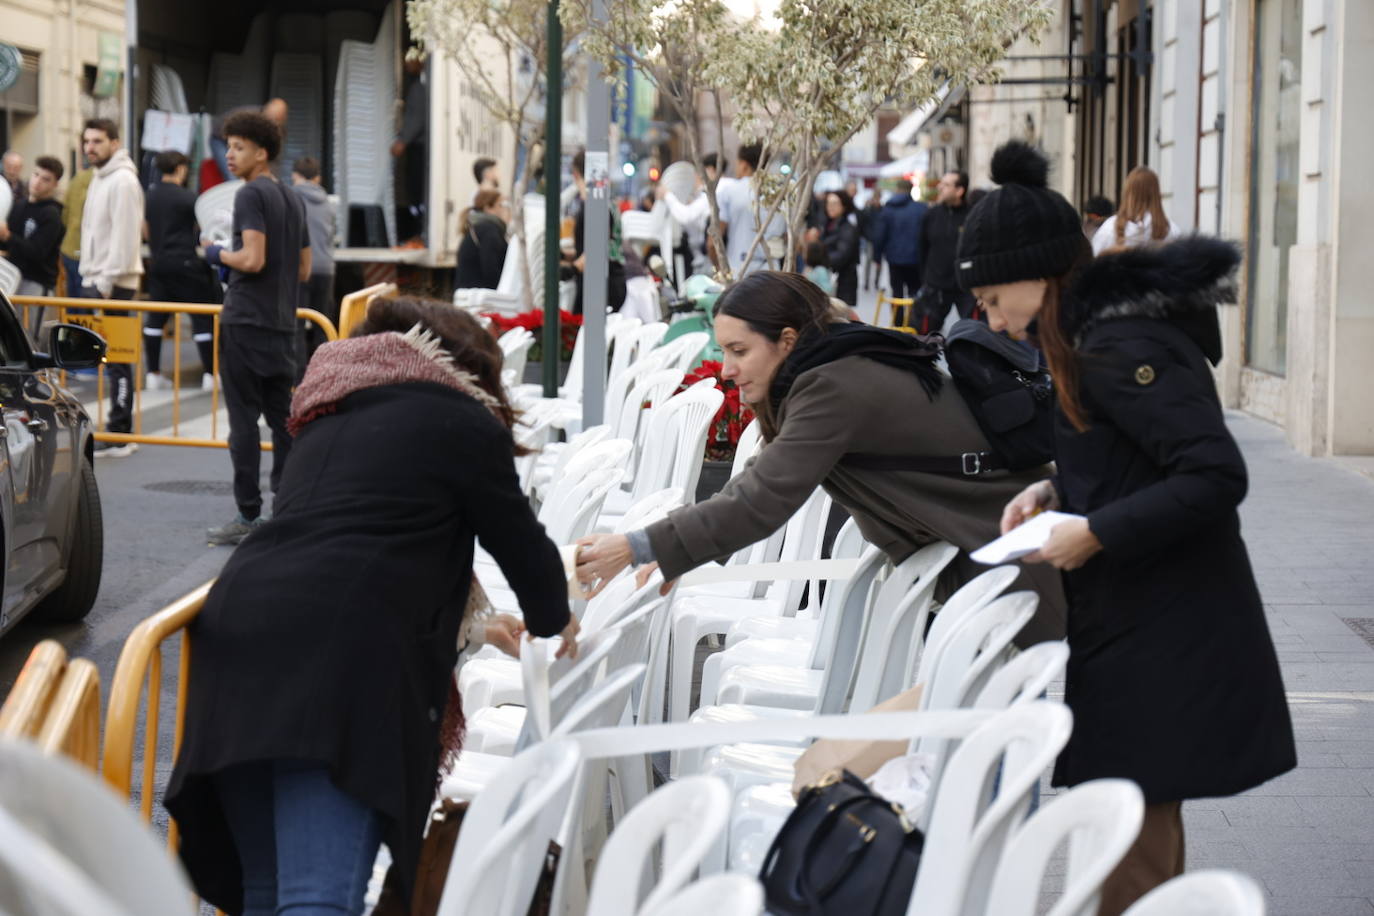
(324, 656)
(840, 235)
(1172, 677)
(482, 251)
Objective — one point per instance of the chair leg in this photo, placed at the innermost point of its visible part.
(683, 652)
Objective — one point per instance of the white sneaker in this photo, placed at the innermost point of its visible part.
(115, 449)
(207, 382)
(156, 381)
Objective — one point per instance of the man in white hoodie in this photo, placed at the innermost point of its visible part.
(111, 255)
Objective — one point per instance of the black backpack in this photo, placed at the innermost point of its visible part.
(1010, 394)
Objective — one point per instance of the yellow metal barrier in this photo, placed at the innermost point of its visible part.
(141, 661)
(353, 307)
(26, 707)
(118, 332)
(73, 724)
(893, 305)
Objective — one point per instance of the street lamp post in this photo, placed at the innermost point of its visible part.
(553, 160)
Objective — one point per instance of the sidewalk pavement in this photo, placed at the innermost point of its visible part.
(1308, 836)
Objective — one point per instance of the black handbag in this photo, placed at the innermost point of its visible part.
(843, 851)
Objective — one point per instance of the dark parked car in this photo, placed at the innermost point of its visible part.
(50, 522)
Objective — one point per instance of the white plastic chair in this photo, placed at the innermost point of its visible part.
(685, 817)
(515, 347)
(730, 894)
(506, 833)
(1208, 892)
(1099, 820)
(103, 861)
(9, 278)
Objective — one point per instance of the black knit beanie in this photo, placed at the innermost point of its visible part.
(1021, 230)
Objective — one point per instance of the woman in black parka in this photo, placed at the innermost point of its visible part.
(1172, 677)
(324, 657)
(840, 235)
(482, 250)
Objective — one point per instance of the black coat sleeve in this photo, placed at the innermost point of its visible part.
(1172, 414)
(507, 528)
(491, 249)
(842, 245)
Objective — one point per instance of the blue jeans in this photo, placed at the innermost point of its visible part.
(305, 846)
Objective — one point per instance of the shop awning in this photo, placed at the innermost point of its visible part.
(934, 108)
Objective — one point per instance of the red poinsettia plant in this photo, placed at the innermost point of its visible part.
(533, 321)
(730, 419)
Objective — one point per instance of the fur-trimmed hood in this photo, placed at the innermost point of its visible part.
(1181, 282)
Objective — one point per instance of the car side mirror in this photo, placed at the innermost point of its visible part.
(71, 346)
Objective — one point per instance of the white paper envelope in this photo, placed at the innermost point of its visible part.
(1025, 539)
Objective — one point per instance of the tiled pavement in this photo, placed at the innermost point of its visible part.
(1307, 836)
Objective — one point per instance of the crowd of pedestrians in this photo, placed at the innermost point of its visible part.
(400, 455)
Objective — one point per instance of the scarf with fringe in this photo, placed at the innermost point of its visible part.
(343, 367)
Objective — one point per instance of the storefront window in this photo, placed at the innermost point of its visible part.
(1274, 188)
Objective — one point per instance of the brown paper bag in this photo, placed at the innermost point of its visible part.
(862, 758)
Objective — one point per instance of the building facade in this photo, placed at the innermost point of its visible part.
(1249, 110)
(73, 53)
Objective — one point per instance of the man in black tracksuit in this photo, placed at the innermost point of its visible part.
(268, 261)
(939, 245)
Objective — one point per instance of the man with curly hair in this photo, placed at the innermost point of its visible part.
(267, 262)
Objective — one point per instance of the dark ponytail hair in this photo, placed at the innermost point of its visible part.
(769, 302)
(1055, 338)
(472, 347)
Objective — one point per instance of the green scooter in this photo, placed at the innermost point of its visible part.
(692, 312)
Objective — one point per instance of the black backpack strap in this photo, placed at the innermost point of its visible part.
(969, 464)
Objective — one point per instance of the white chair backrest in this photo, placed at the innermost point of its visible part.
(1025, 677)
(639, 226)
(587, 510)
(802, 540)
(897, 624)
(618, 390)
(103, 861)
(506, 832)
(683, 818)
(1099, 820)
(651, 388)
(613, 453)
(977, 648)
(727, 894)
(686, 348)
(650, 509)
(972, 595)
(572, 384)
(516, 351)
(588, 437)
(550, 688)
(1208, 892)
(620, 344)
(846, 620)
(676, 441)
(750, 441)
(9, 278)
(968, 824)
(563, 499)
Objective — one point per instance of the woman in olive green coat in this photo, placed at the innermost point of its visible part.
(824, 390)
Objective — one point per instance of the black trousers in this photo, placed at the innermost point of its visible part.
(257, 369)
(119, 376)
(906, 281)
(185, 281)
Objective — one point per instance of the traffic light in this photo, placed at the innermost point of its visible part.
(629, 169)
(654, 172)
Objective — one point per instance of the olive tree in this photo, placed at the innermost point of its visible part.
(804, 83)
(681, 47)
(500, 49)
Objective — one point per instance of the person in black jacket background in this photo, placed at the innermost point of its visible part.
(1172, 678)
(482, 252)
(33, 235)
(840, 234)
(325, 653)
(939, 247)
